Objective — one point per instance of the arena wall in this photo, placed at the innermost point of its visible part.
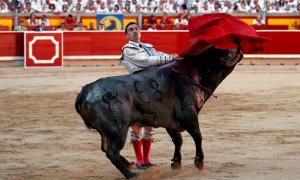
(107, 45)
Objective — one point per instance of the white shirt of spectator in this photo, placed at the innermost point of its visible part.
(102, 8)
(36, 5)
(3, 9)
(58, 5)
(261, 22)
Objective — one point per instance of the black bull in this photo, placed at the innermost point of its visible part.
(170, 96)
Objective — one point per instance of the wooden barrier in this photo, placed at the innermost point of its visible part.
(110, 43)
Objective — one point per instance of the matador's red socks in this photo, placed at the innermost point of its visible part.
(137, 146)
(146, 150)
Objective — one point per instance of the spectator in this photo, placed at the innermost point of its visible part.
(90, 8)
(28, 8)
(293, 3)
(62, 27)
(253, 5)
(82, 3)
(183, 9)
(277, 8)
(43, 9)
(227, 8)
(69, 4)
(6, 4)
(217, 8)
(32, 21)
(79, 27)
(149, 8)
(243, 6)
(126, 9)
(205, 8)
(161, 9)
(97, 4)
(174, 8)
(110, 5)
(298, 8)
(101, 26)
(211, 5)
(152, 19)
(165, 19)
(120, 4)
(65, 9)
(69, 20)
(137, 9)
(257, 9)
(143, 4)
(36, 5)
(52, 9)
(199, 5)
(44, 20)
(21, 9)
(288, 9)
(102, 8)
(91, 27)
(21, 27)
(194, 9)
(77, 8)
(153, 27)
(41, 28)
(4, 9)
(180, 20)
(258, 20)
(116, 9)
(57, 4)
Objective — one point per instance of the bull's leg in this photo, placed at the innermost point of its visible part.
(113, 154)
(196, 134)
(104, 145)
(177, 140)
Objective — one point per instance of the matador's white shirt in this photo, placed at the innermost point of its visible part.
(141, 56)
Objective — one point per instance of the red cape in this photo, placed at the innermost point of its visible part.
(222, 31)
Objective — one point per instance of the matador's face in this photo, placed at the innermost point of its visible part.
(133, 33)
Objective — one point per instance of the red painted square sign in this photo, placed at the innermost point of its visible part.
(43, 49)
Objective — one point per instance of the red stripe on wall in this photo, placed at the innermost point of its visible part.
(111, 43)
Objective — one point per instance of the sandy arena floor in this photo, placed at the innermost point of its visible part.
(251, 131)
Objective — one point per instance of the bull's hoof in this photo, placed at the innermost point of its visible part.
(199, 164)
(176, 165)
(131, 175)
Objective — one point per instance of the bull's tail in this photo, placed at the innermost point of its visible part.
(79, 100)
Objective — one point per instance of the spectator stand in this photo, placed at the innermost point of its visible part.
(281, 21)
(273, 21)
(6, 21)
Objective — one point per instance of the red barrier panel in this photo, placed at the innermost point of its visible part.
(283, 42)
(110, 43)
(11, 44)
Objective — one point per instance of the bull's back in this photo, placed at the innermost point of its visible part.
(98, 99)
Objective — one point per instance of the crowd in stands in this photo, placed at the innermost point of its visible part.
(151, 6)
(43, 24)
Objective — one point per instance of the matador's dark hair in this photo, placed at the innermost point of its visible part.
(129, 25)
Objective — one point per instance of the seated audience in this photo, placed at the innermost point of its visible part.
(79, 27)
(44, 20)
(62, 27)
(41, 28)
(21, 27)
(258, 20)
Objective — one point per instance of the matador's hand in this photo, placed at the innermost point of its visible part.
(175, 57)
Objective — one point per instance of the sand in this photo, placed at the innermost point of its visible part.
(251, 131)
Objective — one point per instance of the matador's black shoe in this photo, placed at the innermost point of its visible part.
(141, 167)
